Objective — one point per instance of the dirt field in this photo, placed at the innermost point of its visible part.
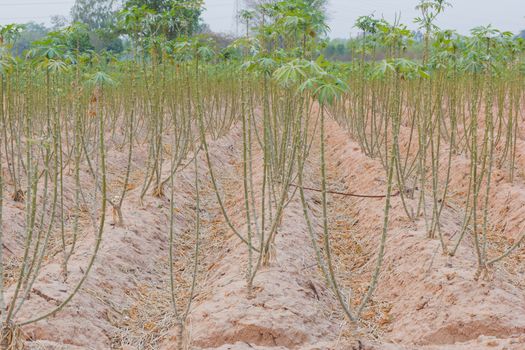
(424, 299)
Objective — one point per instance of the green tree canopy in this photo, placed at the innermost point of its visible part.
(31, 32)
(100, 17)
(170, 17)
(96, 14)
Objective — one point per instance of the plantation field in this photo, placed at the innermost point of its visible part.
(424, 297)
(185, 195)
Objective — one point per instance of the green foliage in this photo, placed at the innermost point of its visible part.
(399, 67)
(96, 14)
(172, 18)
(337, 49)
(291, 29)
(100, 79)
(430, 9)
(100, 17)
(9, 33)
(30, 33)
(66, 44)
(368, 24)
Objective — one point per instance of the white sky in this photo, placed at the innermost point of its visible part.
(465, 14)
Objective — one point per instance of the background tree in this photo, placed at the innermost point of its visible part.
(100, 18)
(253, 4)
(172, 17)
(97, 14)
(31, 32)
(263, 8)
(59, 22)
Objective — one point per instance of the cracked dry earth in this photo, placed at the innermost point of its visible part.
(424, 299)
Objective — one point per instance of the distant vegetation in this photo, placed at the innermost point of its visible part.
(106, 27)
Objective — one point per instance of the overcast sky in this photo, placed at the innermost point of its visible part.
(465, 14)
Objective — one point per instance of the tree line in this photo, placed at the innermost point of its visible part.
(105, 25)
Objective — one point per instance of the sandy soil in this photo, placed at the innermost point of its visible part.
(424, 300)
(432, 298)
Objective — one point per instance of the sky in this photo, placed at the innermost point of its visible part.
(219, 14)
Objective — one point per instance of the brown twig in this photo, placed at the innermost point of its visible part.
(7, 248)
(46, 297)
